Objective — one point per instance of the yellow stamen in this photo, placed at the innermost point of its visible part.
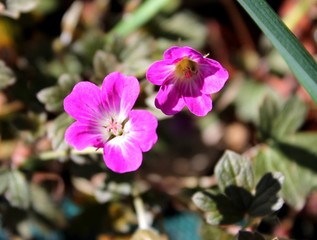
(186, 68)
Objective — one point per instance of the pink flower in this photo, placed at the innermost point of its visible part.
(186, 78)
(105, 119)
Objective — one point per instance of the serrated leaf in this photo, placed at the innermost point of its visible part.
(7, 77)
(266, 198)
(290, 118)
(218, 208)
(299, 181)
(239, 197)
(234, 169)
(42, 204)
(203, 201)
(57, 130)
(53, 97)
(17, 192)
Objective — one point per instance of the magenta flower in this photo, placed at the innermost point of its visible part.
(105, 119)
(186, 78)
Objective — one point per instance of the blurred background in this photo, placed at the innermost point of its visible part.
(49, 191)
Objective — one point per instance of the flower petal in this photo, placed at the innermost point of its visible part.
(176, 52)
(84, 102)
(119, 93)
(169, 98)
(199, 106)
(215, 76)
(159, 71)
(142, 129)
(80, 136)
(122, 155)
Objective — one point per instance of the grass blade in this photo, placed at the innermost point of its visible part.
(298, 59)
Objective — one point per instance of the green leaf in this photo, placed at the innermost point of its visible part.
(104, 63)
(298, 59)
(218, 207)
(7, 77)
(203, 201)
(67, 64)
(53, 97)
(183, 25)
(266, 200)
(234, 169)
(57, 130)
(306, 141)
(18, 190)
(268, 111)
(251, 96)
(279, 122)
(42, 204)
(290, 118)
(299, 180)
(239, 197)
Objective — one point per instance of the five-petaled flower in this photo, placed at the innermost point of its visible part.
(186, 78)
(105, 119)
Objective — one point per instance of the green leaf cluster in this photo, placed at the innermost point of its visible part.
(53, 96)
(286, 150)
(237, 197)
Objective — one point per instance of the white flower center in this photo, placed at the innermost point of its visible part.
(113, 127)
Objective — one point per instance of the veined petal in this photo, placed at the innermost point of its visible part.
(215, 76)
(176, 52)
(169, 98)
(122, 155)
(159, 71)
(142, 129)
(80, 136)
(119, 93)
(200, 105)
(84, 102)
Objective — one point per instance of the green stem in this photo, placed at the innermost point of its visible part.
(138, 18)
(57, 154)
